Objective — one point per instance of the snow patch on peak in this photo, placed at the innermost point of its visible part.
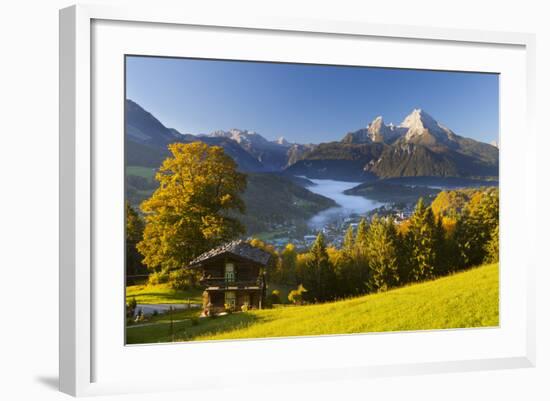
(418, 118)
(243, 137)
(282, 141)
(380, 132)
(377, 119)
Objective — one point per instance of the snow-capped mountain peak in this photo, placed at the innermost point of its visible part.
(248, 138)
(418, 118)
(242, 137)
(282, 141)
(419, 123)
(272, 154)
(380, 132)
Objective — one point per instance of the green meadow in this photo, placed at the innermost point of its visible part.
(162, 294)
(466, 299)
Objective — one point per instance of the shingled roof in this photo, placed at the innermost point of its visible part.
(238, 248)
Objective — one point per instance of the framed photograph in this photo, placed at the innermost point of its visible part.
(290, 200)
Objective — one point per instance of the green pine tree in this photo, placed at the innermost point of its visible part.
(349, 241)
(359, 254)
(422, 243)
(444, 263)
(320, 279)
(382, 252)
(474, 229)
(345, 267)
(361, 236)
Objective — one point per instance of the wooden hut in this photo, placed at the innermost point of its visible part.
(233, 276)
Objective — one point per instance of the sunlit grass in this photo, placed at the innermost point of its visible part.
(467, 299)
(162, 294)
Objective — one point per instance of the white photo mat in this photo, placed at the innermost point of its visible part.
(114, 367)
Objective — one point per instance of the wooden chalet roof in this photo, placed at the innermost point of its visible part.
(239, 248)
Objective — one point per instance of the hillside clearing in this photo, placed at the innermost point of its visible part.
(162, 294)
(467, 299)
(140, 171)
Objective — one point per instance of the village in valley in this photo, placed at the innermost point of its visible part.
(336, 228)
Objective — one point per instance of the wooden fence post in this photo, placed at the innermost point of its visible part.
(171, 324)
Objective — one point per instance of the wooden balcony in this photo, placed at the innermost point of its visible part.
(238, 283)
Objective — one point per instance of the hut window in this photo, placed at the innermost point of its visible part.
(230, 299)
(229, 272)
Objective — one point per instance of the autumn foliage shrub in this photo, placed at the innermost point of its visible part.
(160, 277)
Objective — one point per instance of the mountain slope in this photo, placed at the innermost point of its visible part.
(274, 199)
(272, 155)
(337, 160)
(244, 160)
(412, 160)
(297, 151)
(388, 192)
(143, 128)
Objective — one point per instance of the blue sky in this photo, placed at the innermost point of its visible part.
(306, 103)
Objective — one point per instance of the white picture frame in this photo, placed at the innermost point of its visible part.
(81, 342)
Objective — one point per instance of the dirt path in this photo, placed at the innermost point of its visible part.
(149, 309)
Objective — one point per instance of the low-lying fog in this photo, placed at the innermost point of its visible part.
(348, 204)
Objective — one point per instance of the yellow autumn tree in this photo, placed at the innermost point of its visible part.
(449, 203)
(190, 212)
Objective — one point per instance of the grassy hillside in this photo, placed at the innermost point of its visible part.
(467, 299)
(140, 184)
(145, 172)
(161, 294)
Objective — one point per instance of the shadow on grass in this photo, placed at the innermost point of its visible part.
(190, 329)
(164, 293)
(152, 295)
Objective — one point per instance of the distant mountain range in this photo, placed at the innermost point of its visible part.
(273, 156)
(419, 146)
